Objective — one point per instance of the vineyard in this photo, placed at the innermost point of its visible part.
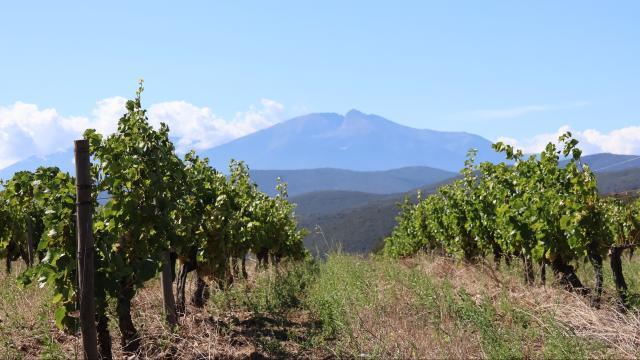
(535, 210)
(155, 217)
(152, 209)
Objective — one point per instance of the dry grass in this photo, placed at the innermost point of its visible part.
(421, 307)
(229, 331)
(436, 307)
(402, 330)
(607, 325)
(27, 329)
(218, 331)
(621, 332)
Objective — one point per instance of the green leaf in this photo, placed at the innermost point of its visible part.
(60, 316)
(56, 298)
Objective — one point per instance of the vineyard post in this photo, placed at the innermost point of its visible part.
(85, 250)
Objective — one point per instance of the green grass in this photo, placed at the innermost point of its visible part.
(343, 283)
(25, 322)
(348, 307)
(273, 292)
(348, 287)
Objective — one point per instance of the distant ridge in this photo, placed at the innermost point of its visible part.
(336, 149)
(375, 182)
(61, 159)
(409, 178)
(606, 162)
(355, 141)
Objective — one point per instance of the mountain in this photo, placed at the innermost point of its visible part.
(606, 162)
(403, 179)
(375, 182)
(63, 159)
(355, 141)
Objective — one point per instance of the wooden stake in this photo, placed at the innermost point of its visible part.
(85, 250)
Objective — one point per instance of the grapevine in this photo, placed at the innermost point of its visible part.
(536, 208)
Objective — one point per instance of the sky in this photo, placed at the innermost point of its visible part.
(517, 71)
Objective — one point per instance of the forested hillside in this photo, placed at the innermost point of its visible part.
(627, 180)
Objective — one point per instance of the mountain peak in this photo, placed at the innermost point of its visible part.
(354, 113)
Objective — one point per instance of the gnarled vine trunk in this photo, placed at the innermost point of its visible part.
(615, 257)
(200, 295)
(188, 264)
(9, 258)
(130, 339)
(104, 337)
(235, 267)
(185, 269)
(497, 256)
(263, 259)
(529, 275)
(566, 275)
(596, 261)
(245, 274)
(173, 257)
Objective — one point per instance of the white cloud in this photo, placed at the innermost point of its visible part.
(26, 130)
(199, 128)
(104, 118)
(620, 141)
(520, 111)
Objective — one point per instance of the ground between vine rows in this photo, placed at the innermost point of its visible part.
(422, 307)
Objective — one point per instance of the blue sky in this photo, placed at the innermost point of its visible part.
(515, 69)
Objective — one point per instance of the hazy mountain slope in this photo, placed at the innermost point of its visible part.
(63, 160)
(606, 162)
(355, 141)
(359, 229)
(619, 181)
(333, 201)
(375, 182)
